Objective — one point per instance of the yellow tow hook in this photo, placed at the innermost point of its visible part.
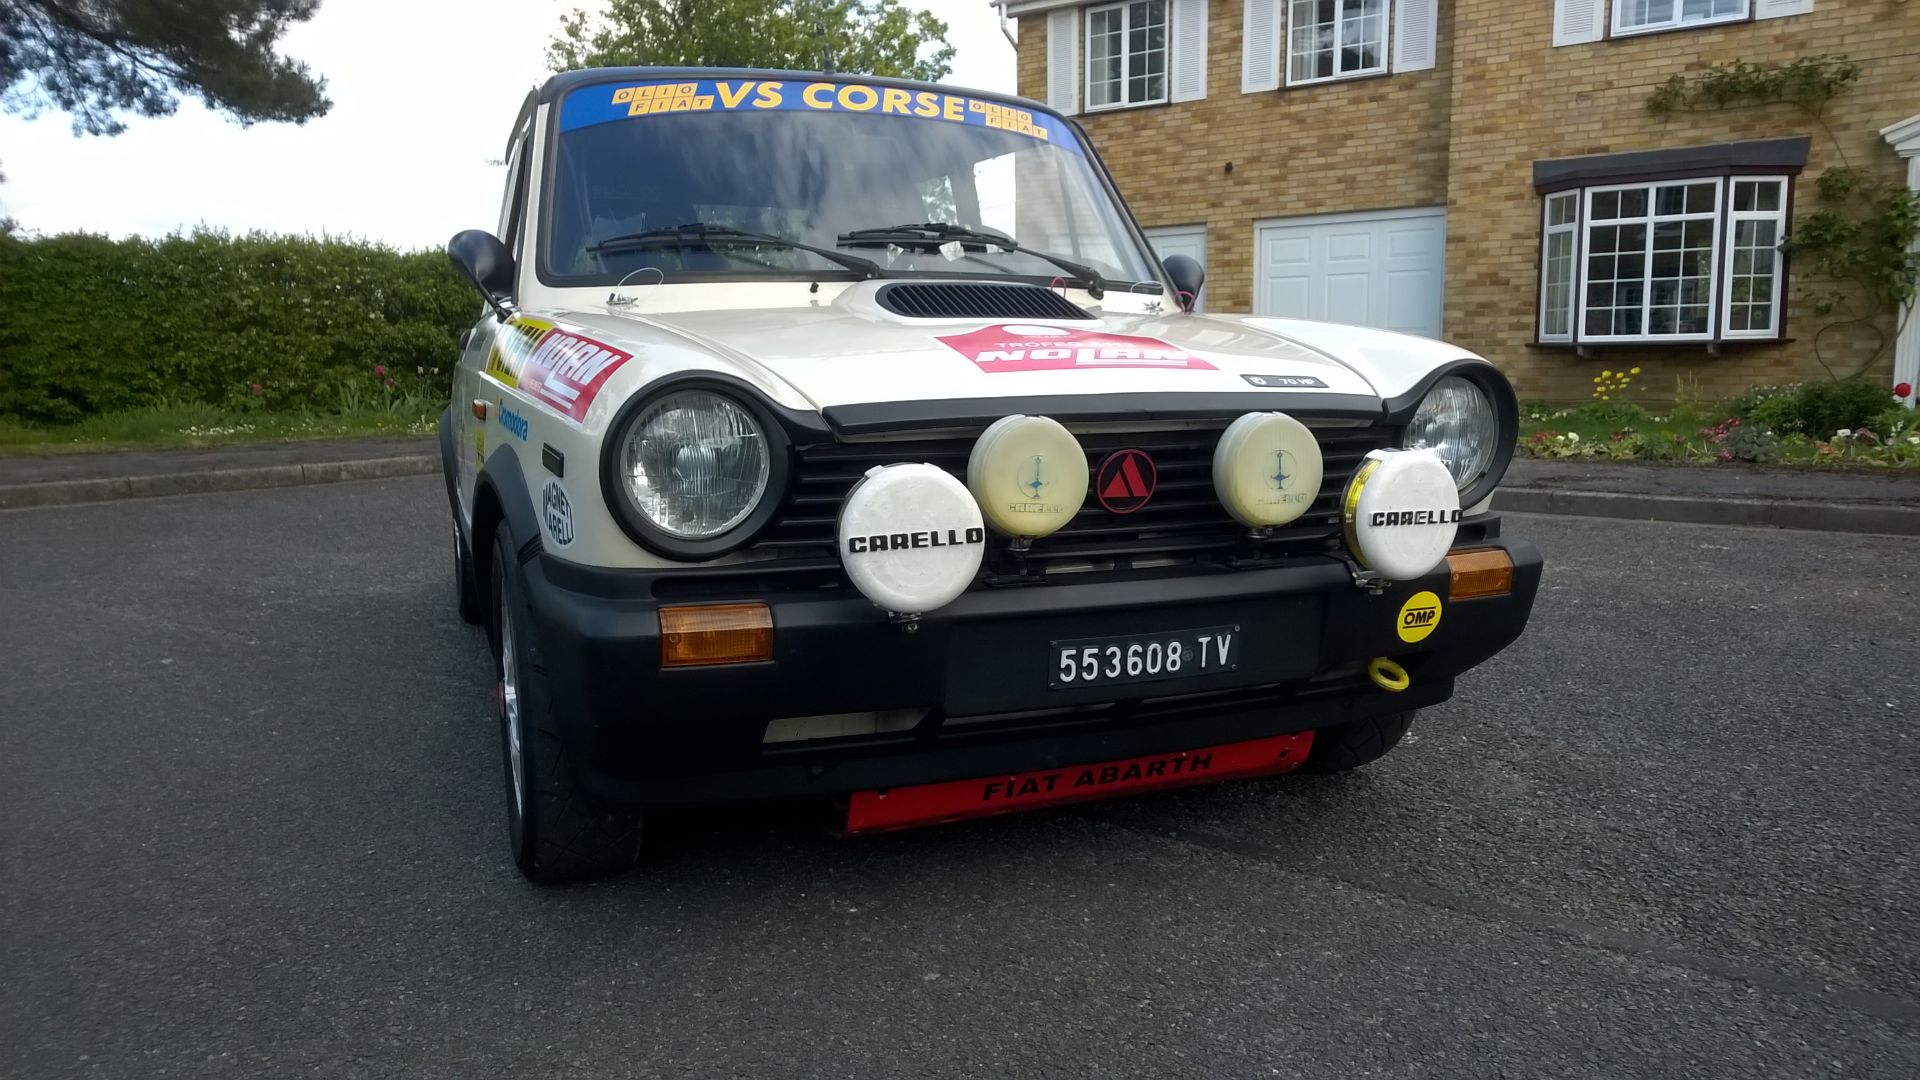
(1388, 675)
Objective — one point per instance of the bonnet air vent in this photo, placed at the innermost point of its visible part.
(972, 300)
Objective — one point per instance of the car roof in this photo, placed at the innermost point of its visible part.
(557, 85)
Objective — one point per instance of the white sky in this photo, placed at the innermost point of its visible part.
(423, 94)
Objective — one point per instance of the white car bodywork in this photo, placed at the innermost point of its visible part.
(812, 346)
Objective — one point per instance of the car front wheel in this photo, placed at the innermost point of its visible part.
(1351, 745)
(556, 833)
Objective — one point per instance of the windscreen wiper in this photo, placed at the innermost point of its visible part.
(702, 233)
(934, 233)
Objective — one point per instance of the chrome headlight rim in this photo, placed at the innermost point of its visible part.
(641, 528)
(1490, 381)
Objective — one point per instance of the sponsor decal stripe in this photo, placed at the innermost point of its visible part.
(608, 102)
(955, 800)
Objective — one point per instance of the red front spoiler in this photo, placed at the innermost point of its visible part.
(957, 800)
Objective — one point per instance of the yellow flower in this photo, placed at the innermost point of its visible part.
(1636, 371)
(1604, 373)
(1596, 378)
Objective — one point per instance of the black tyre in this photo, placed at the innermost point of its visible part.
(556, 834)
(472, 603)
(1349, 746)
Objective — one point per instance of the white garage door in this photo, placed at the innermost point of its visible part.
(1188, 240)
(1375, 269)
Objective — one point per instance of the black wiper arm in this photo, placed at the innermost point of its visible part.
(939, 232)
(701, 233)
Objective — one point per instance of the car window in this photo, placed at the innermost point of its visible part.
(814, 175)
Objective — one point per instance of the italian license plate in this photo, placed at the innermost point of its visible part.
(1138, 658)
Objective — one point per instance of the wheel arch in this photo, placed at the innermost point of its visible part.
(500, 494)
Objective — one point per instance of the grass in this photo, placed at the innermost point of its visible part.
(183, 425)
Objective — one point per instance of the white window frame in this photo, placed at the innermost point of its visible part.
(1339, 20)
(1720, 277)
(1548, 230)
(1779, 217)
(1677, 22)
(1652, 220)
(1127, 56)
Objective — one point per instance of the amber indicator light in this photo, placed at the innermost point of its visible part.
(1480, 572)
(715, 634)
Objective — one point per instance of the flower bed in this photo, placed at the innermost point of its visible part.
(1792, 425)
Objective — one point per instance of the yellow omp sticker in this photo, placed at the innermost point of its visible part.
(511, 345)
(1418, 617)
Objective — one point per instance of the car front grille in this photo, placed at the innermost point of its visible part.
(1184, 520)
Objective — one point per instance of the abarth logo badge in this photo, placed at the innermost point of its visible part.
(1126, 481)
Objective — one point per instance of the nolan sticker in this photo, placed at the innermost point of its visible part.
(511, 346)
(554, 367)
(514, 423)
(1126, 481)
(1286, 382)
(1383, 518)
(1038, 347)
(1418, 617)
(924, 538)
(556, 513)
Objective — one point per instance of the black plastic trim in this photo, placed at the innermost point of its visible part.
(447, 472)
(779, 426)
(878, 416)
(503, 474)
(1506, 408)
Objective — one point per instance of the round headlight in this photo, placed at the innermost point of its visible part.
(694, 464)
(1457, 420)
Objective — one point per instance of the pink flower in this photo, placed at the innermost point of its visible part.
(258, 389)
(389, 382)
(1726, 455)
(379, 371)
(1901, 390)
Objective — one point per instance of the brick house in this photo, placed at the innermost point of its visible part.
(1488, 171)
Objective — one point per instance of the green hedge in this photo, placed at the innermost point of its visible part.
(91, 325)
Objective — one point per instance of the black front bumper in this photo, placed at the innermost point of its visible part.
(652, 737)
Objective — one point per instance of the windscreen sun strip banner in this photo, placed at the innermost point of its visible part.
(607, 102)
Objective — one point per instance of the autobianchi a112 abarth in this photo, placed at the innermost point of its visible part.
(837, 436)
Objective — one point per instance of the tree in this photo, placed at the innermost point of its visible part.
(870, 37)
(98, 58)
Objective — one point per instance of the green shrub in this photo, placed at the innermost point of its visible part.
(93, 325)
(1817, 409)
(1826, 407)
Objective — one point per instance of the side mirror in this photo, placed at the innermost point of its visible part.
(482, 259)
(1188, 276)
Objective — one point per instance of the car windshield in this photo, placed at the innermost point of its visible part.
(652, 176)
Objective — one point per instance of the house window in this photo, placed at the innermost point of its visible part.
(1556, 269)
(1127, 54)
(1639, 16)
(1335, 39)
(1673, 260)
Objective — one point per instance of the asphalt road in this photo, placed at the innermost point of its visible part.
(251, 825)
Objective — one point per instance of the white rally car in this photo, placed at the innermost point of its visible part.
(841, 437)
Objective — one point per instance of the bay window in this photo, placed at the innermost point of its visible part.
(1663, 261)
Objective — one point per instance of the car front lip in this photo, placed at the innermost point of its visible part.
(654, 737)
